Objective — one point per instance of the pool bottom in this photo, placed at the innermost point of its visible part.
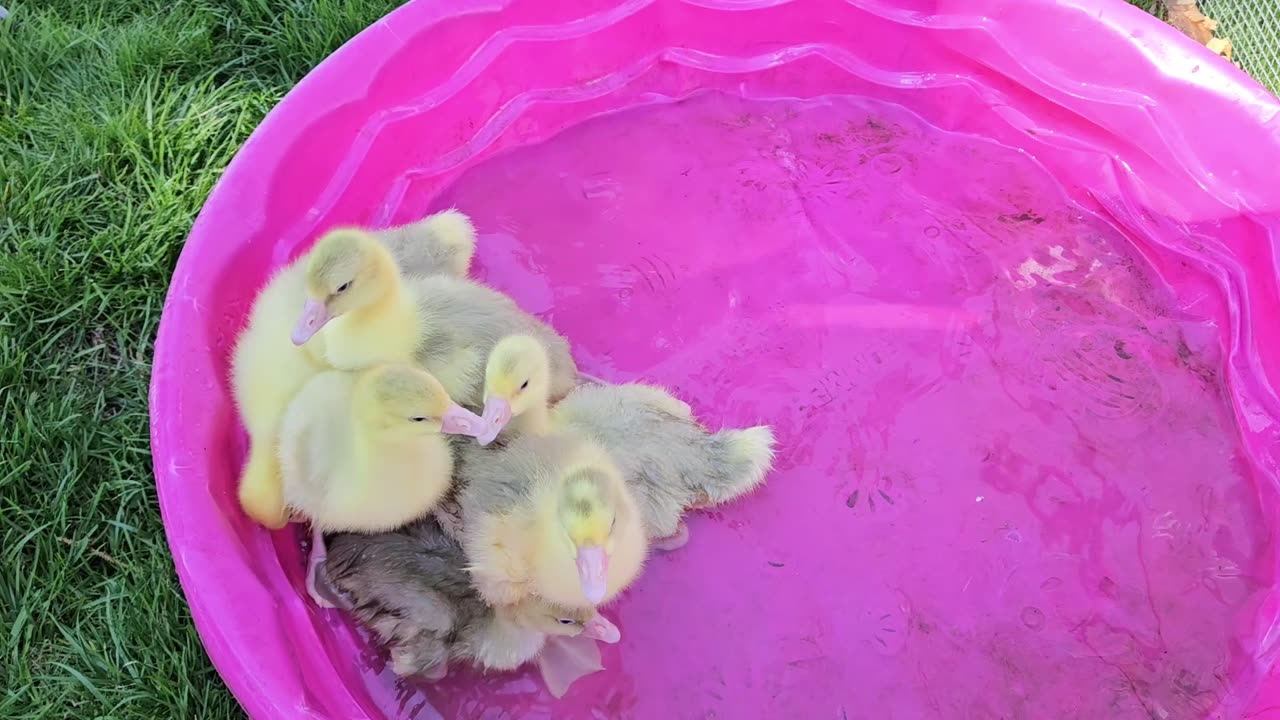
(1010, 484)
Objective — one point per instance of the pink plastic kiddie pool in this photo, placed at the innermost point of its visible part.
(1001, 273)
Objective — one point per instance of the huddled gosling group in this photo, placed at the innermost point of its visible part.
(469, 494)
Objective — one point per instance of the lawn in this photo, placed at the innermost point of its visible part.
(116, 118)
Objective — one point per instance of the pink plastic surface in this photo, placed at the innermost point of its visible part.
(1001, 273)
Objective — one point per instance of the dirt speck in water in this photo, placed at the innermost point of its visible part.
(1027, 216)
(1184, 352)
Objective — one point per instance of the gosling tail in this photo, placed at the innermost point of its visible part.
(741, 459)
(261, 492)
(457, 234)
(423, 654)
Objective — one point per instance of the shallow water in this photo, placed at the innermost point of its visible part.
(1010, 484)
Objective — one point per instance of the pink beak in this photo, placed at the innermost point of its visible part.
(600, 628)
(593, 564)
(314, 317)
(497, 413)
(458, 420)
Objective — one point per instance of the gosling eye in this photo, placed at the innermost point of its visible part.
(418, 418)
(613, 524)
(343, 288)
(566, 621)
(524, 386)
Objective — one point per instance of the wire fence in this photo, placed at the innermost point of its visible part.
(1254, 29)
(1252, 26)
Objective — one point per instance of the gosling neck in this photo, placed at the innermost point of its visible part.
(387, 329)
(393, 300)
(535, 420)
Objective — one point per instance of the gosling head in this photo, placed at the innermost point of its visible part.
(536, 614)
(588, 514)
(347, 270)
(409, 399)
(516, 379)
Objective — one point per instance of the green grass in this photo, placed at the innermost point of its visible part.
(116, 118)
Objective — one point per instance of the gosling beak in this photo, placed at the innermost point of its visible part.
(458, 420)
(314, 316)
(497, 413)
(600, 628)
(592, 564)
